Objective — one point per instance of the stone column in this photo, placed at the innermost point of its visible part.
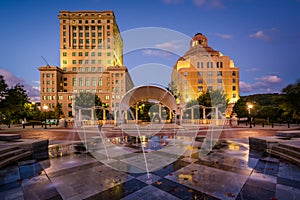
(136, 113)
(192, 115)
(159, 111)
(104, 114)
(93, 115)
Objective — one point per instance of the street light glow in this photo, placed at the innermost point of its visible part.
(250, 106)
(45, 107)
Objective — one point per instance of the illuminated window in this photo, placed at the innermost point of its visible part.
(219, 73)
(100, 81)
(60, 97)
(200, 88)
(64, 54)
(65, 62)
(93, 81)
(106, 97)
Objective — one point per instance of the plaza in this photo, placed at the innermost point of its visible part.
(79, 169)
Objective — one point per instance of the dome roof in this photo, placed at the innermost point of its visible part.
(199, 39)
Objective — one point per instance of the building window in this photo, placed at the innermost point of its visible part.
(233, 88)
(200, 81)
(80, 82)
(74, 69)
(79, 53)
(233, 80)
(186, 88)
(219, 64)
(200, 88)
(65, 62)
(93, 69)
(219, 73)
(210, 88)
(233, 95)
(86, 61)
(106, 97)
(99, 62)
(86, 28)
(93, 61)
(108, 62)
(87, 41)
(108, 54)
(73, 53)
(74, 62)
(100, 81)
(60, 97)
(185, 73)
(200, 73)
(108, 33)
(185, 81)
(87, 69)
(219, 80)
(87, 82)
(234, 73)
(93, 81)
(74, 34)
(64, 54)
(209, 73)
(209, 80)
(70, 105)
(100, 68)
(74, 82)
(209, 64)
(99, 27)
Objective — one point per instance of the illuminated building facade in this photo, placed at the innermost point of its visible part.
(91, 60)
(202, 68)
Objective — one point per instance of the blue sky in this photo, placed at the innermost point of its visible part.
(261, 36)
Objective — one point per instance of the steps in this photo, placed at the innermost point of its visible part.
(286, 151)
(12, 154)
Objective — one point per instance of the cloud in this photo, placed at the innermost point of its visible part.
(224, 36)
(260, 35)
(169, 46)
(154, 52)
(270, 79)
(253, 69)
(11, 80)
(172, 1)
(210, 3)
(264, 84)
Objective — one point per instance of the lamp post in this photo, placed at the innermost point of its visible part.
(250, 106)
(45, 107)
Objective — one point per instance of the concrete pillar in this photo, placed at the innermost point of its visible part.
(104, 114)
(79, 114)
(192, 114)
(93, 115)
(159, 111)
(136, 113)
(204, 114)
(217, 118)
(170, 114)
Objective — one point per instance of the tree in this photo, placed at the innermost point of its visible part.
(291, 103)
(173, 89)
(13, 100)
(240, 108)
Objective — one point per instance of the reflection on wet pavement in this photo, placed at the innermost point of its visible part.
(229, 171)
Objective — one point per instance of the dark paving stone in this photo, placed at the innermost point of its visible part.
(180, 191)
(266, 167)
(120, 191)
(250, 192)
(288, 182)
(266, 185)
(217, 165)
(178, 164)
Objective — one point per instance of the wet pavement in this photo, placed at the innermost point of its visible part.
(117, 171)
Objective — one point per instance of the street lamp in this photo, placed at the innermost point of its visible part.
(45, 107)
(250, 106)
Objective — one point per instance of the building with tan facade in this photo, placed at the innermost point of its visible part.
(202, 68)
(91, 60)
